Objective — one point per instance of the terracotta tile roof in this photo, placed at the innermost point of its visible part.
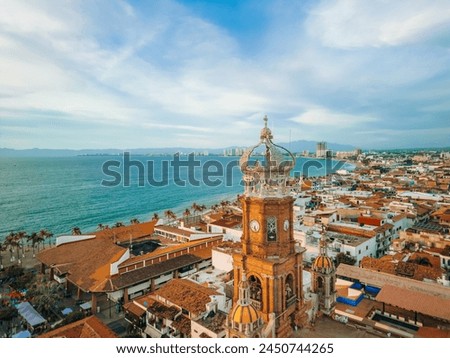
(205, 253)
(367, 220)
(90, 327)
(123, 233)
(432, 332)
(399, 217)
(183, 324)
(227, 223)
(215, 323)
(429, 305)
(352, 231)
(87, 262)
(168, 249)
(395, 266)
(384, 227)
(379, 279)
(135, 309)
(146, 273)
(159, 309)
(187, 294)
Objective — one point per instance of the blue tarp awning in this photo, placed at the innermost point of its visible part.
(27, 311)
(66, 311)
(86, 305)
(22, 334)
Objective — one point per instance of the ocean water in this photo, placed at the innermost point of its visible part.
(60, 193)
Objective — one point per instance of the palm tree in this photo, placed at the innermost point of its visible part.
(45, 234)
(35, 239)
(118, 224)
(155, 216)
(9, 242)
(170, 215)
(13, 242)
(134, 221)
(195, 207)
(186, 215)
(214, 207)
(20, 236)
(100, 227)
(76, 231)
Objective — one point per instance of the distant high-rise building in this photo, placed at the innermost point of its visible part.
(321, 149)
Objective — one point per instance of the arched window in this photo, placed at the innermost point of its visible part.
(289, 289)
(320, 283)
(255, 288)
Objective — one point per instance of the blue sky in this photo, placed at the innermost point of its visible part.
(128, 74)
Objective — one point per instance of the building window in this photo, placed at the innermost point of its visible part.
(367, 247)
(271, 228)
(359, 252)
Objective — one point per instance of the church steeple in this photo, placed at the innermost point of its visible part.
(323, 278)
(268, 268)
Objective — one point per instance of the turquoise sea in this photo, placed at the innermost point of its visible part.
(60, 193)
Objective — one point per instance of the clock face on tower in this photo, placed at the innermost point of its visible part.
(254, 225)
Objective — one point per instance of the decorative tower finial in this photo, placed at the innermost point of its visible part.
(323, 241)
(268, 179)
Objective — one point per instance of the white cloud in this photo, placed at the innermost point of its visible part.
(160, 74)
(354, 23)
(323, 117)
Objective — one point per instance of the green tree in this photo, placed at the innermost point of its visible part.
(45, 294)
(44, 234)
(345, 259)
(34, 238)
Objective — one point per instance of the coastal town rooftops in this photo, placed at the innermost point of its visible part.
(146, 273)
(90, 327)
(187, 294)
(214, 323)
(350, 229)
(124, 233)
(380, 279)
(411, 300)
(136, 309)
(170, 249)
(175, 230)
(231, 224)
(87, 262)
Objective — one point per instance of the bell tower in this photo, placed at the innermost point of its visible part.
(273, 264)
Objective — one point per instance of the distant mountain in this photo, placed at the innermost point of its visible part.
(302, 145)
(296, 146)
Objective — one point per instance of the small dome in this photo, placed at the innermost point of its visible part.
(322, 262)
(245, 314)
